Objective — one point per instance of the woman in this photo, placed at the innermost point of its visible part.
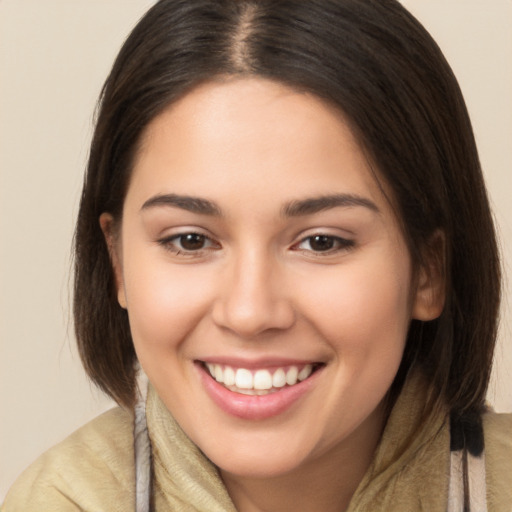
(285, 225)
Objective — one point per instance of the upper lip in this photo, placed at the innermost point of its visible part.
(258, 363)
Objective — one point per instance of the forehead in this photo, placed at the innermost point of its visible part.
(254, 136)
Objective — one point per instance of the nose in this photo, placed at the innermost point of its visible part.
(252, 298)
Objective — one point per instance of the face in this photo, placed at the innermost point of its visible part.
(268, 285)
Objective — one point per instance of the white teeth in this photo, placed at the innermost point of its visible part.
(291, 375)
(257, 392)
(305, 372)
(279, 378)
(261, 381)
(229, 376)
(219, 374)
(243, 379)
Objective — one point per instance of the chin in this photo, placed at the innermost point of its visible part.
(260, 459)
(260, 468)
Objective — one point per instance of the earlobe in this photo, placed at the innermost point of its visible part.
(107, 226)
(430, 291)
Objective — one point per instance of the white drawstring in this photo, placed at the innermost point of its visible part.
(476, 482)
(142, 447)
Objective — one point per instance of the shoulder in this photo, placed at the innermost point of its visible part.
(92, 469)
(498, 438)
(498, 460)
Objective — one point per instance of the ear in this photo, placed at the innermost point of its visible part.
(430, 291)
(112, 241)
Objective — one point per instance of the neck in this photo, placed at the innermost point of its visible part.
(325, 483)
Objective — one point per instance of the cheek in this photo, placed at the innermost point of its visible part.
(164, 301)
(364, 309)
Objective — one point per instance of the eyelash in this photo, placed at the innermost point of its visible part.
(339, 244)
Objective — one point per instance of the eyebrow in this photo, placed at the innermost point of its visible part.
(295, 208)
(313, 205)
(189, 203)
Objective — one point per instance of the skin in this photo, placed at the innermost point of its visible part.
(258, 289)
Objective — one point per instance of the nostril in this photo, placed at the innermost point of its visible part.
(251, 322)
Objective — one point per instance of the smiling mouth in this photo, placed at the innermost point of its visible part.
(260, 381)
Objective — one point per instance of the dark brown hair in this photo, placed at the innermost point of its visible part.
(380, 67)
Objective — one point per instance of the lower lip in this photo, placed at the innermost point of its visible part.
(255, 407)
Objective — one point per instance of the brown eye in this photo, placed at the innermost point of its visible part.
(321, 243)
(189, 244)
(192, 241)
(325, 244)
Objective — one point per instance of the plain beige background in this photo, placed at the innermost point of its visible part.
(54, 56)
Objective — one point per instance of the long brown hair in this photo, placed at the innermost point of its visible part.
(379, 66)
